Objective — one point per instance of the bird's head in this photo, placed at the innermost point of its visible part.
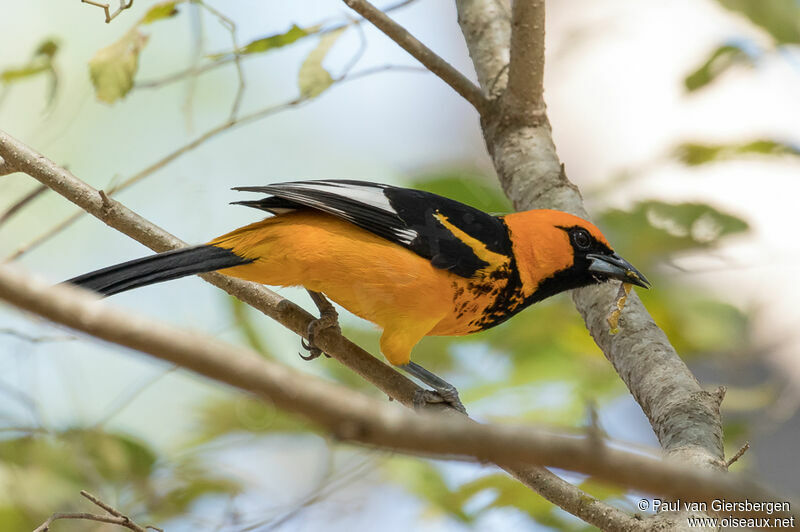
(557, 251)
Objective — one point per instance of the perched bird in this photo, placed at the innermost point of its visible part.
(414, 263)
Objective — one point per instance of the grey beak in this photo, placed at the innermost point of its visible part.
(615, 267)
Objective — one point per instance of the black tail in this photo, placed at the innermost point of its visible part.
(158, 268)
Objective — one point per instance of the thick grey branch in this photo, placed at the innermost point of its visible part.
(421, 53)
(685, 418)
(526, 66)
(352, 416)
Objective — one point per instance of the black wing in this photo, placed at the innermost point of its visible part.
(410, 218)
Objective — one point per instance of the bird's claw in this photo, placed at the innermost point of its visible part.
(328, 319)
(423, 398)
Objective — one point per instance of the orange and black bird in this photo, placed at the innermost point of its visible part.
(414, 263)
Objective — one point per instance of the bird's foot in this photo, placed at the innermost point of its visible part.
(328, 318)
(443, 391)
(423, 398)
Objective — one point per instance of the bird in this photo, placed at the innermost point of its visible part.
(412, 262)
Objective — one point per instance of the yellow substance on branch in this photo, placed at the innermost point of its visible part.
(622, 297)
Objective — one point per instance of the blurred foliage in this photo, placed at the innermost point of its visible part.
(238, 413)
(694, 153)
(271, 42)
(465, 185)
(652, 230)
(113, 68)
(779, 18)
(313, 79)
(243, 321)
(44, 472)
(720, 60)
(470, 500)
(41, 62)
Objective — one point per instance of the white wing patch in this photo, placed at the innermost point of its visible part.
(371, 195)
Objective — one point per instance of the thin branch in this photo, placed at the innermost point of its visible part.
(115, 517)
(526, 66)
(446, 72)
(738, 454)
(22, 202)
(352, 416)
(237, 57)
(107, 9)
(5, 168)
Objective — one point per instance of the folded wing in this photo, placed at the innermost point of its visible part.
(452, 235)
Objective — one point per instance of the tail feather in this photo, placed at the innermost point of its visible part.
(157, 268)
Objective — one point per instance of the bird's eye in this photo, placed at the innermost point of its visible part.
(582, 239)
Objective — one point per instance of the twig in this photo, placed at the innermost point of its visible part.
(237, 57)
(25, 200)
(107, 9)
(352, 416)
(738, 454)
(526, 66)
(115, 517)
(5, 168)
(36, 339)
(444, 70)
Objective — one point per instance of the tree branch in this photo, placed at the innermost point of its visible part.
(685, 418)
(354, 417)
(115, 518)
(107, 9)
(526, 65)
(421, 53)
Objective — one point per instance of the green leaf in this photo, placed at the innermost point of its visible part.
(510, 493)
(467, 186)
(238, 413)
(41, 62)
(653, 229)
(424, 480)
(312, 78)
(159, 11)
(116, 457)
(695, 154)
(721, 60)
(601, 490)
(271, 42)
(244, 322)
(47, 48)
(779, 18)
(31, 69)
(191, 486)
(113, 68)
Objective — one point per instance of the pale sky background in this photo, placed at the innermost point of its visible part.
(616, 102)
